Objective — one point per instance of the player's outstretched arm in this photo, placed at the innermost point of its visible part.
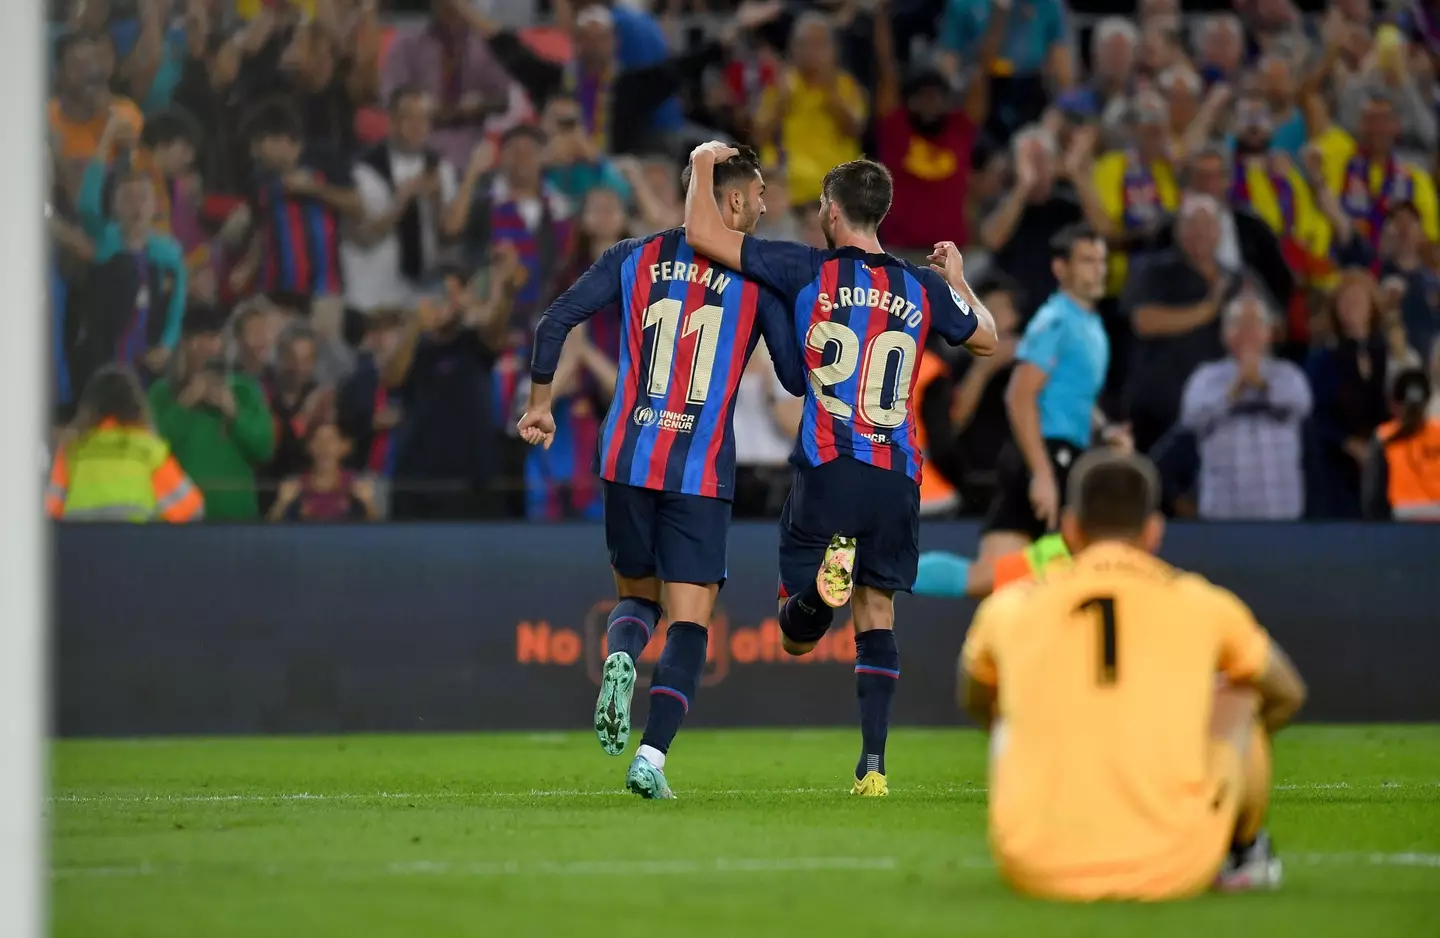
(705, 230)
(597, 288)
(979, 336)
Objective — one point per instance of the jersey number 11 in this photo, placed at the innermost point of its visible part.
(665, 315)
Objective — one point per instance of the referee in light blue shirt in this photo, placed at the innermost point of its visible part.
(1061, 362)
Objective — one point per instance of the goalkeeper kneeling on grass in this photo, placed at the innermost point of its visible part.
(950, 576)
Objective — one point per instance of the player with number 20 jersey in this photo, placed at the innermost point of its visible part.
(861, 319)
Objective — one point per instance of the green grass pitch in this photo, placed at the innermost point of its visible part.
(521, 835)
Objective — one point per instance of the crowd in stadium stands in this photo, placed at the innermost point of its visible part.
(303, 244)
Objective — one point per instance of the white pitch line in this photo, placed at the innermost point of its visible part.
(585, 868)
(249, 798)
(1430, 860)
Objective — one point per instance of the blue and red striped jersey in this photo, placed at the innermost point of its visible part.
(301, 249)
(687, 328)
(861, 322)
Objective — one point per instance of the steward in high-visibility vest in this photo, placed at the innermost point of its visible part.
(116, 468)
(1402, 473)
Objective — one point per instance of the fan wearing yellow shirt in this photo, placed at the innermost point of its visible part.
(249, 9)
(1120, 768)
(1268, 183)
(1133, 189)
(814, 114)
(1367, 177)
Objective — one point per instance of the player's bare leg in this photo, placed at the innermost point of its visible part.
(673, 686)
(631, 624)
(877, 671)
(1252, 863)
(996, 544)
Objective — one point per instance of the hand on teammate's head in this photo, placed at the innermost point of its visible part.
(718, 151)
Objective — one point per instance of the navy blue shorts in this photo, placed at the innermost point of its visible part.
(880, 508)
(679, 538)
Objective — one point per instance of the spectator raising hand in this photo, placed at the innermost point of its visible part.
(1018, 230)
(405, 186)
(216, 421)
(814, 113)
(133, 300)
(927, 142)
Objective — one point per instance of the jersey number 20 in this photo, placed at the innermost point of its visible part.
(873, 364)
(665, 316)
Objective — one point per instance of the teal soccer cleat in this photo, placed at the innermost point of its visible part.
(646, 780)
(612, 707)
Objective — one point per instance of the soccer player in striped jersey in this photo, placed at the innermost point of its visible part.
(861, 319)
(667, 448)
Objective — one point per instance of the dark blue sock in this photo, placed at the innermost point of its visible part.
(632, 622)
(877, 671)
(805, 617)
(677, 678)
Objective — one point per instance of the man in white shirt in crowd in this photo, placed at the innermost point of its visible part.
(1246, 412)
(389, 258)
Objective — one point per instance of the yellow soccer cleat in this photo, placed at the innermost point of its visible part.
(873, 785)
(836, 579)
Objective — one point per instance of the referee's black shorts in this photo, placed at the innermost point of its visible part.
(1010, 510)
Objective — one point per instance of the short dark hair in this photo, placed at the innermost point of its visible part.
(1404, 207)
(736, 171)
(923, 79)
(1062, 243)
(522, 130)
(202, 318)
(1380, 96)
(402, 92)
(997, 281)
(863, 189)
(174, 124)
(113, 392)
(244, 312)
(296, 332)
(70, 39)
(320, 423)
(275, 118)
(1112, 494)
